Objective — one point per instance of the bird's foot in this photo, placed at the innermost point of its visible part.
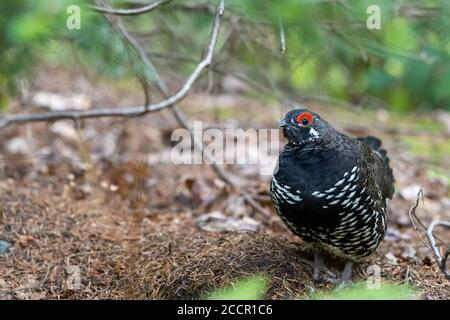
(318, 267)
(346, 275)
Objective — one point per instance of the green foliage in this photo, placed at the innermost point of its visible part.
(32, 32)
(255, 287)
(329, 49)
(250, 288)
(360, 291)
(405, 64)
(24, 26)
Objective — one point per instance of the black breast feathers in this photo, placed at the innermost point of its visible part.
(330, 189)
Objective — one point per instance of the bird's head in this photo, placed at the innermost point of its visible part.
(301, 126)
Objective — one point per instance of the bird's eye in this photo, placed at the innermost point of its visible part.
(305, 119)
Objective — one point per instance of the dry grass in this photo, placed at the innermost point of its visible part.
(127, 253)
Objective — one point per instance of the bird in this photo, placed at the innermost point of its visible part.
(331, 190)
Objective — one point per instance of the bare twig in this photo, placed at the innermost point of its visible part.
(413, 217)
(145, 88)
(131, 12)
(199, 146)
(441, 261)
(172, 56)
(139, 49)
(78, 115)
(255, 205)
(201, 7)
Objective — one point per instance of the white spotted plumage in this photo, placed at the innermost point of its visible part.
(328, 188)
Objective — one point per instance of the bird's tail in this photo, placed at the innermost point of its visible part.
(375, 144)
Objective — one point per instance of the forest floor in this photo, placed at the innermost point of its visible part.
(107, 204)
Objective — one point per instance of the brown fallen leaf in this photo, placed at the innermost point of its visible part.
(25, 239)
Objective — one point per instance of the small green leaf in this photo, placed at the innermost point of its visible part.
(360, 291)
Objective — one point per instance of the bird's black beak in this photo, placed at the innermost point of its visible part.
(283, 123)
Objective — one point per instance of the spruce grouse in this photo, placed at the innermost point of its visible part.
(331, 190)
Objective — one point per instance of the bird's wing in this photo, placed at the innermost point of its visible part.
(378, 170)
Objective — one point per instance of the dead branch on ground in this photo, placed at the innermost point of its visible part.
(441, 260)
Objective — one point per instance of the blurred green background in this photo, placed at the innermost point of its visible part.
(330, 52)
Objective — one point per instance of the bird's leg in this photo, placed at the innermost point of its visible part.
(347, 272)
(319, 266)
(345, 276)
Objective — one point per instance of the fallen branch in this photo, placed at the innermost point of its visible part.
(441, 261)
(413, 217)
(255, 205)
